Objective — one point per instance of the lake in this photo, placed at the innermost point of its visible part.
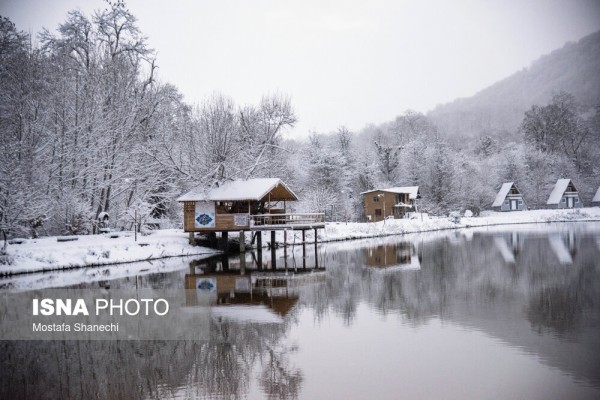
(490, 313)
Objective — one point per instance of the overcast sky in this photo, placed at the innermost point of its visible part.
(342, 62)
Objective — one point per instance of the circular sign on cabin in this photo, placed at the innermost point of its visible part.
(204, 219)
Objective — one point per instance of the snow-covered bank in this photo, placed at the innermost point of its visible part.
(354, 230)
(47, 254)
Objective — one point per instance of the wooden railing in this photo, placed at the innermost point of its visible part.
(287, 219)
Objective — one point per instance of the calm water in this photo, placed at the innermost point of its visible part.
(489, 314)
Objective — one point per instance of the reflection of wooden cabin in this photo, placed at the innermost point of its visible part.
(245, 205)
(564, 195)
(265, 297)
(237, 290)
(402, 255)
(509, 198)
(393, 202)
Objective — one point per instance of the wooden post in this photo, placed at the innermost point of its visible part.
(225, 262)
(259, 248)
(224, 237)
(285, 249)
(242, 263)
(191, 238)
(273, 256)
(316, 254)
(242, 242)
(303, 248)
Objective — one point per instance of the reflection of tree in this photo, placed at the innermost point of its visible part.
(277, 380)
(221, 367)
(455, 273)
(557, 308)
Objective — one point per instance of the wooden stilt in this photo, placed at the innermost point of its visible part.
(303, 249)
(191, 238)
(242, 241)
(273, 256)
(224, 238)
(259, 249)
(242, 263)
(285, 260)
(316, 254)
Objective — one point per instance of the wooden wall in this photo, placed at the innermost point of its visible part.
(371, 205)
(223, 222)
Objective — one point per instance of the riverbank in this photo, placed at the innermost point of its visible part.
(343, 231)
(48, 254)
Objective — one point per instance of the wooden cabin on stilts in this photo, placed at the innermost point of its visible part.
(252, 205)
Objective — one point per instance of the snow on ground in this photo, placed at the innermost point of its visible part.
(354, 230)
(100, 274)
(46, 254)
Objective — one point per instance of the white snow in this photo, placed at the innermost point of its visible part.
(502, 194)
(240, 190)
(335, 231)
(411, 190)
(47, 254)
(52, 279)
(558, 191)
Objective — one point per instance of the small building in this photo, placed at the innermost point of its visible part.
(596, 199)
(245, 205)
(564, 195)
(509, 198)
(392, 202)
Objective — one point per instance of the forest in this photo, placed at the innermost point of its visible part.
(87, 126)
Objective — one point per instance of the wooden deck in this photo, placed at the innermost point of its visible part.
(287, 221)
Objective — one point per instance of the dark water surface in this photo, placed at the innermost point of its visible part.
(505, 313)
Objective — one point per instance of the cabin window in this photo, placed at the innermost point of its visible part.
(576, 200)
(562, 200)
(520, 202)
(375, 199)
(505, 202)
(378, 212)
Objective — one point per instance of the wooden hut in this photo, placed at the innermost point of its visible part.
(392, 202)
(245, 205)
(509, 198)
(564, 195)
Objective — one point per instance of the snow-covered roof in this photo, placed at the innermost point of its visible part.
(597, 196)
(241, 190)
(558, 191)
(502, 194)
(412, 191)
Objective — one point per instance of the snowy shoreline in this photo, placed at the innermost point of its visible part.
(46, 254)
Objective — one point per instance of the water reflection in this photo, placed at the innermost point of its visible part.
(247, 294)
(536, 293)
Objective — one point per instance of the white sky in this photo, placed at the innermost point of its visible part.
(343, 62)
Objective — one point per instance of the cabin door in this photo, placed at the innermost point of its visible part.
(514, 204)
(570, 202)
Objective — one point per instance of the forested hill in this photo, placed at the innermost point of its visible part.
(499, 109)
